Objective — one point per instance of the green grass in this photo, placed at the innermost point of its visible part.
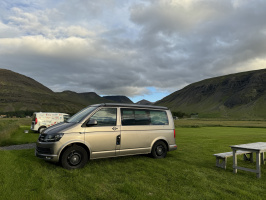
(9, 125)
(194, 123)
(17, 136)
(187, 173)
(12, 131)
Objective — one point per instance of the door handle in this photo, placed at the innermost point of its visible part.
(114, 128)
(118, 140)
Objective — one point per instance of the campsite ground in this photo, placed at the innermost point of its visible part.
(187, 173)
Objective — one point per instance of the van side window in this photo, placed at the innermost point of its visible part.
(105, 117)
(128, 117)
(143, 117)
(158, 117)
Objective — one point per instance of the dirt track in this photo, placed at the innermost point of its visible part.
(19, 147)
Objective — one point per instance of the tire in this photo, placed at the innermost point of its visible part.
(41, 129)
(74, 157)
(159, 150)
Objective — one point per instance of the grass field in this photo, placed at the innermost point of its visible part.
(188, 173)
(12, 132)
(195, 123)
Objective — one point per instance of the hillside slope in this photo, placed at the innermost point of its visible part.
(118, 99)
(241, 95)
(21, 93)
(84, 99)
(144, 102)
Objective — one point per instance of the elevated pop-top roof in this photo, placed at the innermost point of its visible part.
(129, 105)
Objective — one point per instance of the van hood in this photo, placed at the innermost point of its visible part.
(58, 128)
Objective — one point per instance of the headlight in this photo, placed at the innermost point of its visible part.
(50, 137)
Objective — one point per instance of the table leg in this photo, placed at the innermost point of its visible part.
(262, 158)
(234, 161)
(258, 163)
(251, 157)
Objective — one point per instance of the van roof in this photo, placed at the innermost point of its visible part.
(129, 105)
(50, 113)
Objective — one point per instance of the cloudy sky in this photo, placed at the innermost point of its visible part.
(138, 48)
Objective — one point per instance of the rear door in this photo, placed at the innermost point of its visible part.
(104, 137)
(33, 121)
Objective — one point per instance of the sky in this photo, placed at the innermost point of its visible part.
(144, 49)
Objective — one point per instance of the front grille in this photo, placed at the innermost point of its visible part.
(42, 150)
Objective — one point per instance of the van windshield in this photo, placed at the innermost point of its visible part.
(81, 115)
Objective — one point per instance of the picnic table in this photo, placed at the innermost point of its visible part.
(258, 147)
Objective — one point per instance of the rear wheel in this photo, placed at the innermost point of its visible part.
(74, 157)
(159, 150)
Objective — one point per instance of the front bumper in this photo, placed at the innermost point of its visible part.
(47, 151)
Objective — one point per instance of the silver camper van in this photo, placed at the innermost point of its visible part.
(108, 130)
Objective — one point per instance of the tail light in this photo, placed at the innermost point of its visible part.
(36, 121)
(174, 133)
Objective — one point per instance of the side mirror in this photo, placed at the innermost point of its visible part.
(92, 122)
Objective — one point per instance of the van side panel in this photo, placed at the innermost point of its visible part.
(102, 141)
(171, 137)
(139, 139)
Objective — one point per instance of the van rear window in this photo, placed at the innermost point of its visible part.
(143, 117)
(33, 117)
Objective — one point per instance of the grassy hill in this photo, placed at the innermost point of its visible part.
(118, 99)
(144, 102)
(83, 99)
(241, 95)
(19, 93)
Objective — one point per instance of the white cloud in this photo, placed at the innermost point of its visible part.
(125, 47)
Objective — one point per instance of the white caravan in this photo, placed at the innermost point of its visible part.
(43, 120)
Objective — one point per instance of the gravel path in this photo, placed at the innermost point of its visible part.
(19, 147)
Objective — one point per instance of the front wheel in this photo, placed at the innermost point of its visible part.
(159, 150)
(41, 129)
(74, 157)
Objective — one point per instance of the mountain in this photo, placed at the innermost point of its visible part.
(84, 99)
(144, 102)
(18, 92)
(241, 95)
(22, 93)
(118, 99)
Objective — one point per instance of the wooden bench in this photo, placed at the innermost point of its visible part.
(221, 158)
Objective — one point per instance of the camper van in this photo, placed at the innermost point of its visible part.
(43, 120)
(108, 130)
